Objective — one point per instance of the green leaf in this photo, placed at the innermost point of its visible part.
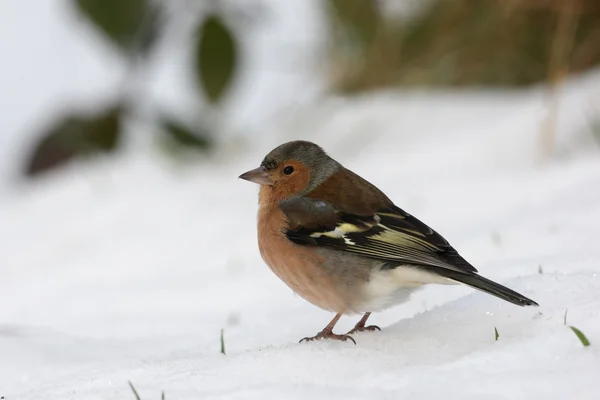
(73, 136)
(216, 58)
(584, 340)
(130, 24)
(496, 335)
(186, 136)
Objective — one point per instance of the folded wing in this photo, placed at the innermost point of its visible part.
(388, 234)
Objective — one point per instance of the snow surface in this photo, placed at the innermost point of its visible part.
(127, 270)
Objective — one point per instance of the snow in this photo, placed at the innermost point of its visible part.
(127, 269)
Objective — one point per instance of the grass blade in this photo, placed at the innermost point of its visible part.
(584, 340)
(137, 396)
(565, 317)
(222, 342)
(496, 335)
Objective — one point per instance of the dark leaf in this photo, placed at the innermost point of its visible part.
(185, 136)
(75, 136)
(216, 58)
(130, 24)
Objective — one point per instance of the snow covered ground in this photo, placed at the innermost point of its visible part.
(128, 270)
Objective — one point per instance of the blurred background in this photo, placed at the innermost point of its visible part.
(87, 79)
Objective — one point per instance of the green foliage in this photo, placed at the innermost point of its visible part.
(216, 57)
(134, 27)
(74, 136)
(122, 22)
(186, 136)
(582, 338)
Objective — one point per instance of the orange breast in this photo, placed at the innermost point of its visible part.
(297, 266)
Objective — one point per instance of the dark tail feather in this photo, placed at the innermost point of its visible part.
(487, 286)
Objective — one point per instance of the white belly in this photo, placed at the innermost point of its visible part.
(390, 287)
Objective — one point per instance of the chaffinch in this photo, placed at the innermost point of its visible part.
(341, 243)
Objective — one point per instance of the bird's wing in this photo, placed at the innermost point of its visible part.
(389, 234)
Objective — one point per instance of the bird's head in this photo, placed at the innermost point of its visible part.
(293, 168)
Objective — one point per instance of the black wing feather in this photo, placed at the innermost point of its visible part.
(390, 234)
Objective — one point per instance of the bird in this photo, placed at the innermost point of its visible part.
(341, 244)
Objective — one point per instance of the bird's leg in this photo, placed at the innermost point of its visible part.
(360, 326)
(327, 333)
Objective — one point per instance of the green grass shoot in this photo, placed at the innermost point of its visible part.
(582, 338)
(223, 342)
(565, 317)
(496, 335)
(135, 393)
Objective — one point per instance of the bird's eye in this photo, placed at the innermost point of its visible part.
(288, 170)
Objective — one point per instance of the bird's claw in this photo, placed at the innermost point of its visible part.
(370, 328)
(328, 335)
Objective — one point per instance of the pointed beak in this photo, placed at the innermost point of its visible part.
(258, 175)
